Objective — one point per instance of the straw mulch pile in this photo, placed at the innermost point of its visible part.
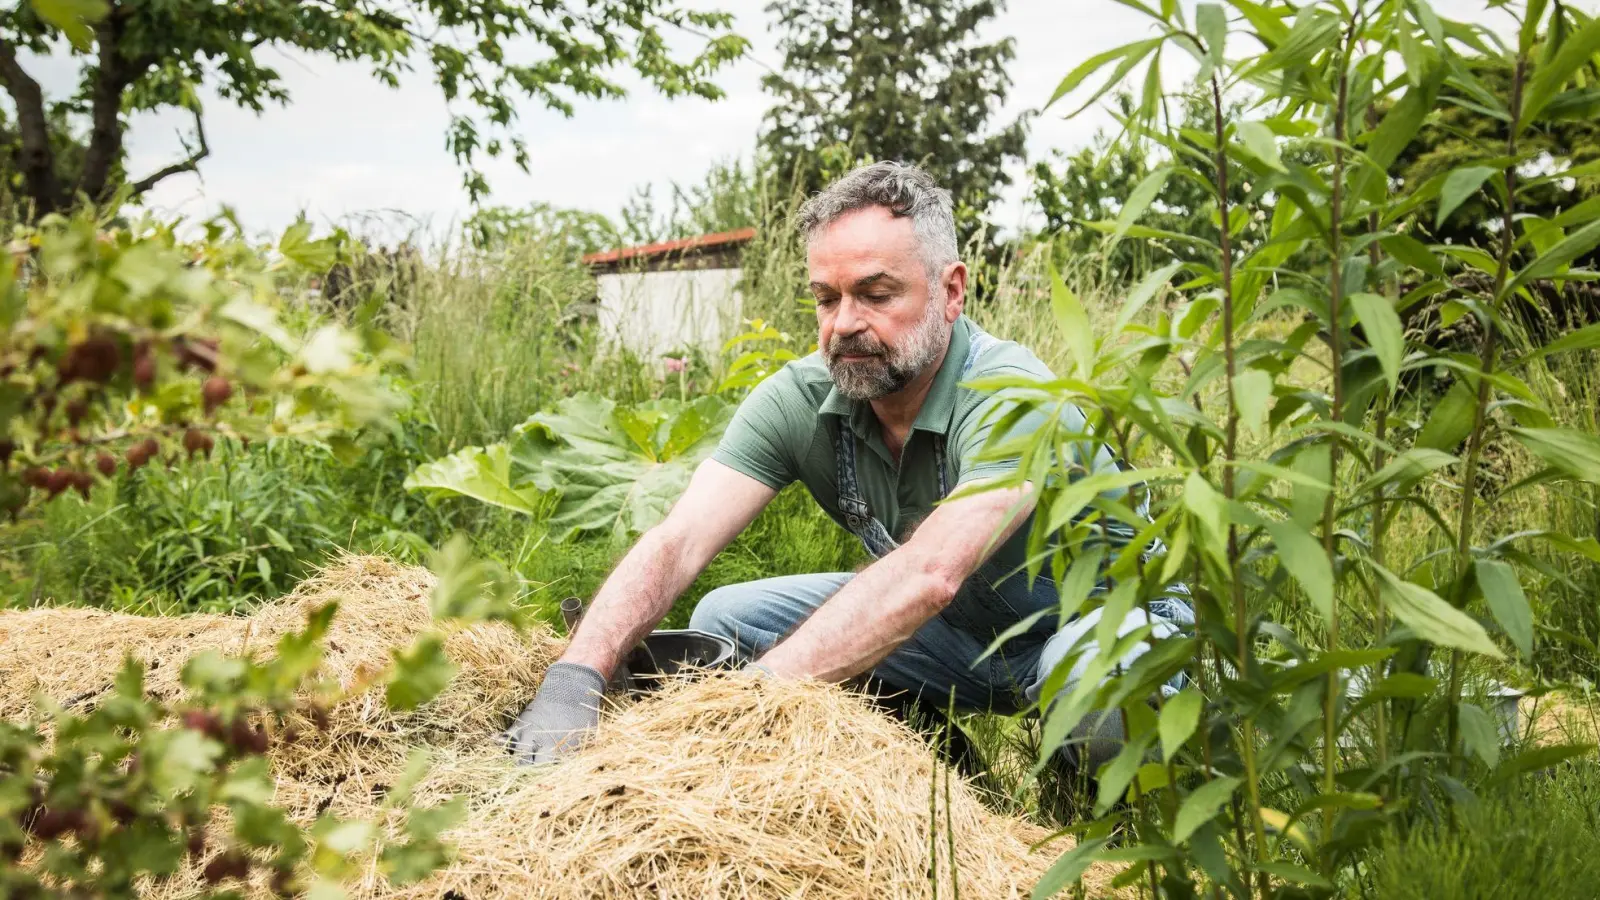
(724, 787)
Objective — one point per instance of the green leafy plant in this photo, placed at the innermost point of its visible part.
(1336, 680)
(762, 351)
(605, 467)
(123, 345)
(106, 802)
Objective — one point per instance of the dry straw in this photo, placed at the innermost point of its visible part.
(723, 787)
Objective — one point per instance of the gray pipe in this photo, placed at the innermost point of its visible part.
(572, 611)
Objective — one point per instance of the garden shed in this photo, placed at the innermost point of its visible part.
(655, 299)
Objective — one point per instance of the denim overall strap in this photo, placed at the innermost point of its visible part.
(857, 514)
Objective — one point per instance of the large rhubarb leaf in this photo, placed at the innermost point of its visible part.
(617, 468)
(483, 473)
(611, 468)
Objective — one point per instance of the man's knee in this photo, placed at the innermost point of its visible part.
(721, 611)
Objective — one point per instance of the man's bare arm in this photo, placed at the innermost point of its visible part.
(716, 506)
(883, 606)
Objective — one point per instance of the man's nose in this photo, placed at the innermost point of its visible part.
(847, 320)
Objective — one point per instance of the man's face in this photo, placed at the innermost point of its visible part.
(880, 321)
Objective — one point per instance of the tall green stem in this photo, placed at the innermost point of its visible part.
(1229, 454)
(1490, 350)
(1330, 708)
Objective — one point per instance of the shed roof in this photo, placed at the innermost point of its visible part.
(720, 242)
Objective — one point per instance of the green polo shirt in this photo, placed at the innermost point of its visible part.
(784, 432)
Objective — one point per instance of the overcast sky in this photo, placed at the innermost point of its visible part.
(347, 145)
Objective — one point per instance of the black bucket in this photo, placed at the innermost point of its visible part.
(664, 654)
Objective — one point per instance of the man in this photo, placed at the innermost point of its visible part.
(878, 427)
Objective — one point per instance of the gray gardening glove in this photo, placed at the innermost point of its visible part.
(561, 715)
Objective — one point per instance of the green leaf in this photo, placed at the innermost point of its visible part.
(1139, 199)
(1573, 452)
(1294, 873)
(1432, 618)
(1585, 338)
(1384, 333)
(1556, 258)
(1136, 52)
(485, 474)
(1303, 556)
(1458, 186)
(1073, 322)
(1451, 419)
(297, 247)
(1413, 253)
(594, 455)
(1088, 67)
(1068, 869)
(1262, 144)
(1252, 388)
(1481, 734)
(1212, 23)
(1550, 77)
(1210, 510)
(1539, 758)
(1179, 717)
(1407, 469)
(419, 674)
(1117, 774)
(1143, 293)
(73, 17)
(1201, 806)
(1500, 587)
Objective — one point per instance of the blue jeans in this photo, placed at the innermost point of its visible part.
(938, 658)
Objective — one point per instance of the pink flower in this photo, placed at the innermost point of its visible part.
(675, 365)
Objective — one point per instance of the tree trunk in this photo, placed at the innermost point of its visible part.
(105, 136)
(36, 159)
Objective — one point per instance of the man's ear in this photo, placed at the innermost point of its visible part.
(954, 282)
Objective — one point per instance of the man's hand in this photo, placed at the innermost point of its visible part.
(561, 715)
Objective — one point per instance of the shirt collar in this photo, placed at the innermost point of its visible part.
(937, 408)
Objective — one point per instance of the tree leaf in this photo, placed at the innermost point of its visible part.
(1500, 587)
(1458, 186)
(1432, 618)
(1480, 733)
(1451, 419)
(1067, 869)
(1179, 717)
(1262, 144)
(1573, 452)
(1413, 253)
(420, 673)
(1143, 194)
(1088, 67)
(1211, 21)
(1551, 262)
(1304, 557)
(1252, 388)
(1074, 323)
(1550, 77)
(1201, 806)
(1407, 468)
(1384, 333)
(1143, 293)
(73, 17)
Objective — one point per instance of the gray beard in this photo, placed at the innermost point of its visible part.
(887, 369)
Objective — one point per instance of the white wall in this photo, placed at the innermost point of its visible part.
(651, 313)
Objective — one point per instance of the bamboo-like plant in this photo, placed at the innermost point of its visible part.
(1275, 462)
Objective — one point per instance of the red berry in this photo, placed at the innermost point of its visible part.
(197, 441)
(84, 482)
(215, 392)
(144, 370)
(58, 481)
(77, 408)
(107, 464)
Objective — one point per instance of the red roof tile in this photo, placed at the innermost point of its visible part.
(666, 248)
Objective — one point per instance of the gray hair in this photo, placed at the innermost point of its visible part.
(904, 190)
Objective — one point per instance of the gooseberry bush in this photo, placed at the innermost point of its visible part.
(1288, 420)
(125, 346)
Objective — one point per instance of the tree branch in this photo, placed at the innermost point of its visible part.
(105, 135)
(191, 164)
(35, 157)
